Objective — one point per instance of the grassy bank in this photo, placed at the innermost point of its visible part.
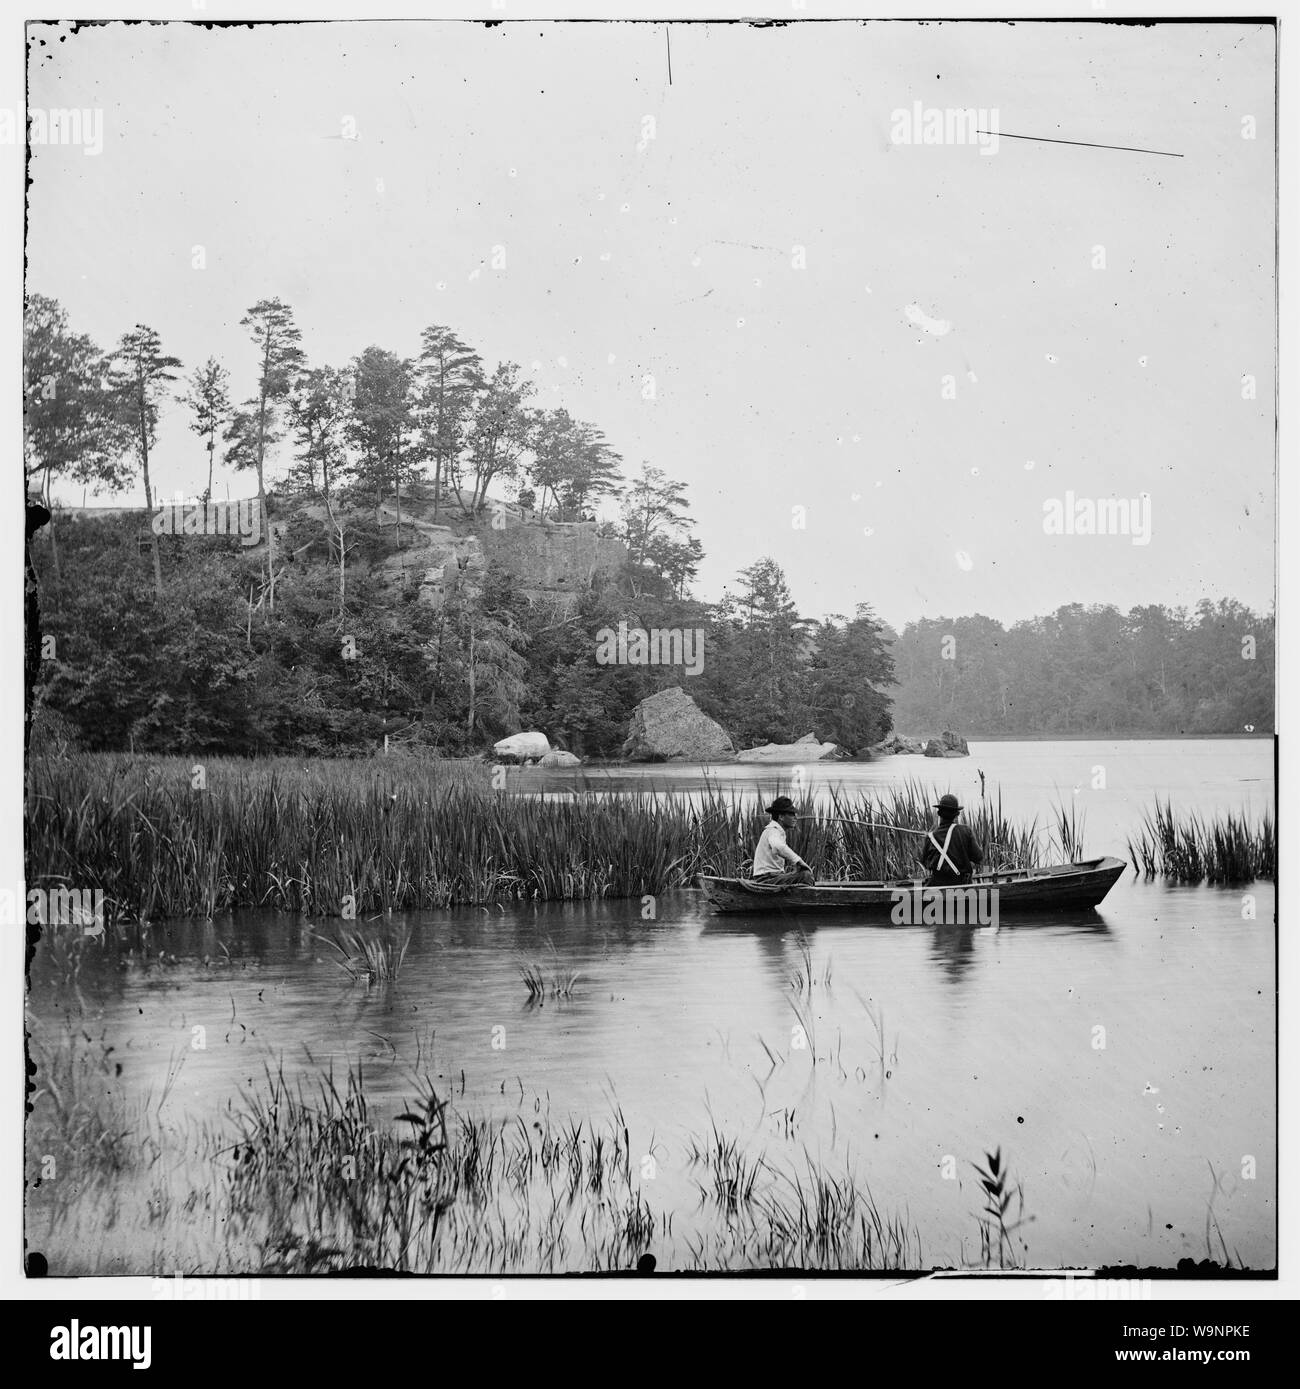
(334, 838)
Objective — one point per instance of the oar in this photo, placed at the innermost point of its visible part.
(923, 834)
(868, 824)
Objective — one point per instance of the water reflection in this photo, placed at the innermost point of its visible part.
(953, 948)
(920, 1040)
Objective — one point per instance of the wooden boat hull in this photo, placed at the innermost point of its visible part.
(1061, 887)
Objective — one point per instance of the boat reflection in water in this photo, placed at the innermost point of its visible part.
(953, 947)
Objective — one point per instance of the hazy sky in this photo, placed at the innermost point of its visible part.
(667, 248)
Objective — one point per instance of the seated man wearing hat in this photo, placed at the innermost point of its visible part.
(951, 850)
(775, 862)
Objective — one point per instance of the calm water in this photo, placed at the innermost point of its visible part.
(1123, 1059)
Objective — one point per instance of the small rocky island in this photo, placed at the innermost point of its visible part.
(670, 727)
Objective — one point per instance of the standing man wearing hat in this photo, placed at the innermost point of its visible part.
(951, 851)
(775, 862)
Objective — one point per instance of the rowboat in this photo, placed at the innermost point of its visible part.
(1062, 886)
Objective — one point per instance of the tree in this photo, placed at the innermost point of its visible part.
(208, 398)
(494, 661)
(71, 423)
(500, 431)
(479, 672)
(849, 662)
(176, 677)
(448, 375)
(320, 406)
(773, 643)
(320, 409)
(553, 442)
(380, 426)
(571, 461)
(139, 375)
(253, 429)
(656, 528)
(676, 561)
(583, 705)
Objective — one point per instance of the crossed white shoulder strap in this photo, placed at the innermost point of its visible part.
(943, 848)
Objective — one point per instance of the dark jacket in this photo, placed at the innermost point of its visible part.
(963, 850)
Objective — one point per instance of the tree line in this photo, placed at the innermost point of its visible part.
(1090, 670)
(204, 669)
(195, 672)
(376, 424)
(287, 648)
(374, 427)
(302, 645)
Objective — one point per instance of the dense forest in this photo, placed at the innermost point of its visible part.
(192, 672)
(304, 644)
(1090, 670)
(200, 669)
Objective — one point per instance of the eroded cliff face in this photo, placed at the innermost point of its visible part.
(553, 562)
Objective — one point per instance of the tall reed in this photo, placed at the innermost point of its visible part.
(167, 838)
(1227, 848)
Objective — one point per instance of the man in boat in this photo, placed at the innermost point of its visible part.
(951, 851)
(775, 862)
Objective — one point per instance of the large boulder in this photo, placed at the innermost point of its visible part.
(522, 747)
(897, 745)
(948, 744)
(671, 727)
(807, 749)
(556, 758)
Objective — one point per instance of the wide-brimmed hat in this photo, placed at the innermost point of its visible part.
(783, 805)
(947, 803)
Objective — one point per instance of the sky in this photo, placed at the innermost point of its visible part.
(874, 361)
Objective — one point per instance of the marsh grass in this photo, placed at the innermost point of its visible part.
(995, 1232)
(306, 836)
(818, 1219)
(733, 1176)
(803, 977)
(1227, 848)
(78, 1120)
(372, 957)
(551, 978)
(304, 1177)
(1069, 832)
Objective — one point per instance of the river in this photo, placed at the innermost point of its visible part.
(1123, 1060)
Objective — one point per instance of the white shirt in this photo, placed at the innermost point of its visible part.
(773, 854)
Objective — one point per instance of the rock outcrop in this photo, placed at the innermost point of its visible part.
(897, 744)
(556, 758)
(554, 562)
(806, 749)
(437, 560)
(522, 747)
(948, 744)
(671, 727)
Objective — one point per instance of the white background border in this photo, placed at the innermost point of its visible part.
(12, 85)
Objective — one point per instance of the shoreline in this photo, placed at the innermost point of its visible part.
(1111, 737)
(606, 764)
